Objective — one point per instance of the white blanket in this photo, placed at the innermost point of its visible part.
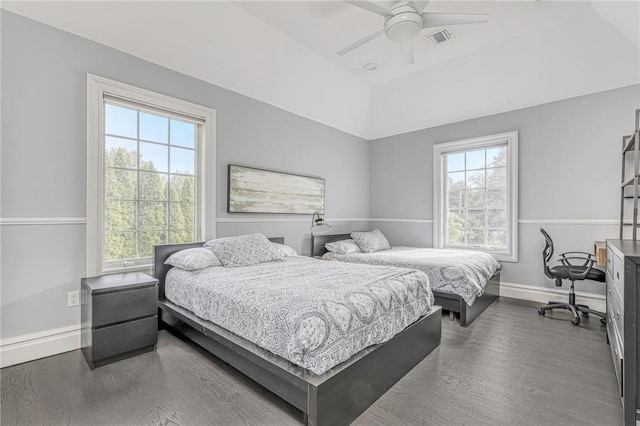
(461, 272)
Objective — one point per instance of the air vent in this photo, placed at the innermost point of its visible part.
(440, 36)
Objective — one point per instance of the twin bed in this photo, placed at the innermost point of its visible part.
(314, 333)
(463, 282)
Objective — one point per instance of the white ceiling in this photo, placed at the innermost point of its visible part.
(283, 53)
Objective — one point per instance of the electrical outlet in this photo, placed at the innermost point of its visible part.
(73, 298)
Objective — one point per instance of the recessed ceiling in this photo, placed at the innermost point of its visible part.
(284, 53)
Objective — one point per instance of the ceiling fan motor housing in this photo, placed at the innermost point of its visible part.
(404, 24)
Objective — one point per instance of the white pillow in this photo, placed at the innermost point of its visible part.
(371, 241)
(193, 259)
(244, 250)
(343, 247)
(285, 250)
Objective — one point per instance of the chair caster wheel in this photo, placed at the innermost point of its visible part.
(603, 321)
(575, 321)
(541, 311)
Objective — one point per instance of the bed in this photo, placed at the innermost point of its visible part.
(466, 307)
(337, 396)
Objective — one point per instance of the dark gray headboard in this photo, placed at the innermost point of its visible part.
(162, 253)
(318, 242)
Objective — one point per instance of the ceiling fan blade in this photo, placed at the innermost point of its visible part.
(407, 53)
(370, 7)
(359, 43)
(419, 5)
(434, 19)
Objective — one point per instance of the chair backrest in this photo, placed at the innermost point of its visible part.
(547, 252)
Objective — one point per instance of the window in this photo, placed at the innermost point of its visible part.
(475, 195)
(149, 175)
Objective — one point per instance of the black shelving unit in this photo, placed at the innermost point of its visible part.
(631, 143)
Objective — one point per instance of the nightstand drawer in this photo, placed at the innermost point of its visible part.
(125, 337)
(118, 306)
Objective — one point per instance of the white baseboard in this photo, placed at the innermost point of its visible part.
(19, 349)
(544, 295)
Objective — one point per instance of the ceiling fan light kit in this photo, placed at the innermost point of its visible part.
(404, 25)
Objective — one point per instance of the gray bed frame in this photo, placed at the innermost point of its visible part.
(448, 301)
(336, 397)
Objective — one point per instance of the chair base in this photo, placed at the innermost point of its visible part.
(574, 308)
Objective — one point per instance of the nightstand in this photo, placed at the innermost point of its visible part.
(119, 316)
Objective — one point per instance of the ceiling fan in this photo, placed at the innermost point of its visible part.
(404, 21)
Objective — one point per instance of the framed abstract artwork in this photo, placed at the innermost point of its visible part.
(252, 190)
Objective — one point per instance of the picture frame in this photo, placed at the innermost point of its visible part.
(255, 190)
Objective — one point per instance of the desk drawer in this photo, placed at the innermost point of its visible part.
(609, 261)
(118, 306)
(618, 357)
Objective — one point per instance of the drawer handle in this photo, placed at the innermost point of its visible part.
(618, 274)
(617, 314)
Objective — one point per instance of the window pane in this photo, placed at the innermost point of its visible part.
(120, 152)
(183, 216)
(153, 216)
(153, 186)
(475, 237)
(455, 162)
(120, 184)
(497, 178)
(154, 128)
(475, 179)
(147, 240)
(497, 218)
(475, 159)
(154, 157)
(455, 181)
(475, 198)
(120, 216)
(120, 121)
(119, 246)
(183, 161)
(475, 218)
(181, 236)
(497, 239)
(497, 156)
(496, 198)
(183, 134)
(456, 200)
(455, 228)
(182, 188)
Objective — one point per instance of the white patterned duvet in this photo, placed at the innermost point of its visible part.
(313, 313)
(461, 272)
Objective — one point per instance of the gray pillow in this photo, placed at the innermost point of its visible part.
(193, 259)
(371, 241)
(244, 250)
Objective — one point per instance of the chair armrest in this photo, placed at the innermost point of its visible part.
(589, 261)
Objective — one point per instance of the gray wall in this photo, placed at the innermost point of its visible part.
(43, 162)
(569, 170)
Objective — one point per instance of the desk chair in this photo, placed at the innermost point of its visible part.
(574, 266)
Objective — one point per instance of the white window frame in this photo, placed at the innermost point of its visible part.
(97, 89)
(439, 203)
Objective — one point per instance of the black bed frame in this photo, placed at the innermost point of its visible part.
(449, 301)
(336, 397)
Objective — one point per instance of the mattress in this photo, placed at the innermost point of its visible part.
(461, 272)
(313, 313)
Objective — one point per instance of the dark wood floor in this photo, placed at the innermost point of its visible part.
(510, 367)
